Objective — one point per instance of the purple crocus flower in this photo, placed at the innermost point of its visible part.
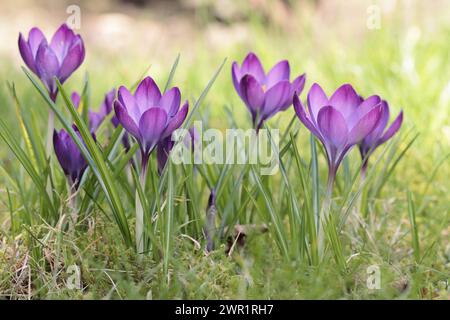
(148, 115)
(59, 59)
(338, 122)
(265, 94)
(69, 156)
(379, 135)
(164, 147)
(96, 118)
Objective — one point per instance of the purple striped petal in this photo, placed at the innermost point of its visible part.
(301, 114)
(236, 76)
(364, 126)
(26, 53)
(72, 60)
(345, 99)
(147, 94)
(332, 126)
(170, 101)
(281, 71)
(151, 126)
(125, 120)
(393, 128)
(276, 97)
(376, 133)
(316, 100)
(252, 66)
(177, 120)
(35, 37)
(47, 66)
(252, 94)
(127, 100)
(62, 41)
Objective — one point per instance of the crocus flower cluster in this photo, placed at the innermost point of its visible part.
(339, 122)
(59, 59)
(148, 115)
(265, 94)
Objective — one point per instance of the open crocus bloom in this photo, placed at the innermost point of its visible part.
(96, 118)
(149, 116)
(69, 155)
(338, 122)
(380, 134)
(265, 94)
(59, 59)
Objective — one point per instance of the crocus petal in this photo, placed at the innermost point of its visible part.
(301, 114)
(281, 71)
(147, 94)
(26, 53)
(298, 84)
(162, 152)
(376, 133)
(47, 66)
(61, 42)
(345, 99)
(170, 101)
(151, 126)
(252, 66)
(95, 119)
(59, 144)
(127, 100)
(366, 106)
(236, 76)
(316, 100)
(35, 37)
(76, 99)
(276, 97)
(72, 61)
(364, 126)
(125, 120)
(332, 126)
(107, 104)
(393, 128)
(176, 121)
(252, 93)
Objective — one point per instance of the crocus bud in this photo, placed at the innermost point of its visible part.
(265, 94)
(69, 156)
(59, 59)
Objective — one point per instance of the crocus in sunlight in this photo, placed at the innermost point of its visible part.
(150, 117)
(265, 94)
(339, 122)
(59, 58)
(379, 135)
(69, 156)
(96, 117)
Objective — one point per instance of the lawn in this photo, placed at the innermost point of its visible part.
(386, 238)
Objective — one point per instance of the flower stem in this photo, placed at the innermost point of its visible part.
(140, 209)
(325, 211)
(50, 129)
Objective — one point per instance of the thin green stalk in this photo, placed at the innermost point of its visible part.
(325, 210)
(140, 209)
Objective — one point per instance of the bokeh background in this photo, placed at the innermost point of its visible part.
(330, 40)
